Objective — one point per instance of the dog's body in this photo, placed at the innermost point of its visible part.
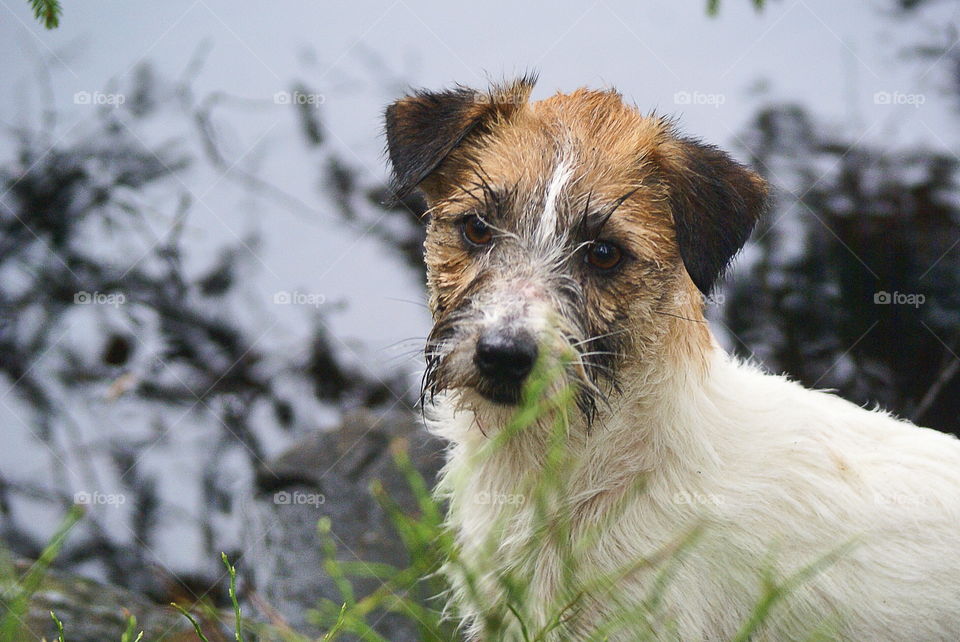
(781, 475)
(577, 226)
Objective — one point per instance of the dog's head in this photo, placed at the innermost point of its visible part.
(572, 228)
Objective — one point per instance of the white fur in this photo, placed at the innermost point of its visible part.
(547, 222)
(780, 475)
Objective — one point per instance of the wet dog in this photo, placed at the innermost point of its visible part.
(578, 232)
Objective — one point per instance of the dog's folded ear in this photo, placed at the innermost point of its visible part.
(716, 202)
(424, 127)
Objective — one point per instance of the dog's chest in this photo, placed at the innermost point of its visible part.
(554, 541)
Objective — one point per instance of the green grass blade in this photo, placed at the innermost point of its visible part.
(231, 569)
(338, 626)
(775, 592)
(59, 625)
(196, 625)
(331, 564)
(130, 631)
(30, 582)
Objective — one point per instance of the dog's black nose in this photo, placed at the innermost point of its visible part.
(506, 357)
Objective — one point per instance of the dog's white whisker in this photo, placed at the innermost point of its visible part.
(598, 352)
(598, 337)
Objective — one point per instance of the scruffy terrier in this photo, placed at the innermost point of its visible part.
(577, 232)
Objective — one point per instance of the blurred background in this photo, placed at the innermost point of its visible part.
(210, 320)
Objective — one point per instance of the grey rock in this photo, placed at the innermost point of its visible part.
(329, 474)
(93, 612)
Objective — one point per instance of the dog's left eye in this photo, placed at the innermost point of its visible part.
(476, 231)
(604, 255)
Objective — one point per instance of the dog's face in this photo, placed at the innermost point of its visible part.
(567, 229)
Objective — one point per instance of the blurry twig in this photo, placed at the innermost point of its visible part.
(947, 373)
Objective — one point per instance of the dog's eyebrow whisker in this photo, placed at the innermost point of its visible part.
(594, 229)
(604, 219)
(577, 248)
(623, 199)
(482, 173)
(585, 215)
(429, 212)
(471, 193)
(490, 194)
(502, 231)
(482, 201)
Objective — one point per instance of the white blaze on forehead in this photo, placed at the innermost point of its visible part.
(547, 227)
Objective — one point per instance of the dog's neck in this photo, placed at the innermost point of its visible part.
(652, 423)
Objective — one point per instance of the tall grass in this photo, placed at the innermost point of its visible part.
(501, 597)
(19, 589)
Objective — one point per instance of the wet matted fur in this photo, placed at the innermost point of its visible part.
(523, 198)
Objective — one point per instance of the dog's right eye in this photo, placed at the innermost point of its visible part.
(475, 231)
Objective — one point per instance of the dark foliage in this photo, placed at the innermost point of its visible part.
(170, 344)
(856, 285)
